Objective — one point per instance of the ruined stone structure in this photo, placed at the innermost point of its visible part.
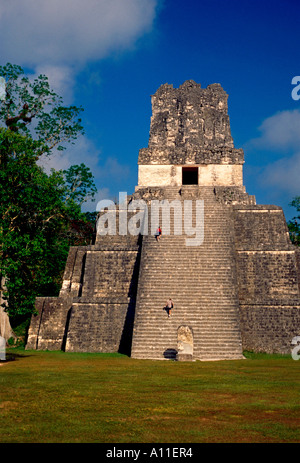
(236, 288)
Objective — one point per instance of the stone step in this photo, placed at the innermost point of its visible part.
(217, 354)
(206, 255)
(201, 282)
(204, 330)
(160, 281)
(200, 332)
(170, 342)
(171, 350)
(206, 333)
(208, 356)
(184, 315)
(232, 345)
(211, 326)
(211, 259)
(205, 327)
(203, 305)
(207, 344)
(194, 312)
(210, 320)
(193, 291)
(211, 350)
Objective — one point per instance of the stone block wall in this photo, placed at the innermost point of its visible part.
(101, 327)
(48, 328)
(72, 279)
(268, 279)
(171, 175)
(259, 227)
(267, 276)
(108, 272)
(101, 320)
(269, 328)
(185, 156)
(95, 309)
(297, 255)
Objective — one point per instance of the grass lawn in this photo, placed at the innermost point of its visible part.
(58, 397)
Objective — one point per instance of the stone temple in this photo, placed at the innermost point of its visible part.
(235, 287)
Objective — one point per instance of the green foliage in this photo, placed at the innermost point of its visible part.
(32, 216)
(27, 101)
(40, 214)
(79, 184)
(294, 224)
(39, 220)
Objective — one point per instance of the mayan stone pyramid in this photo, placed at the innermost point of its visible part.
(227, 263)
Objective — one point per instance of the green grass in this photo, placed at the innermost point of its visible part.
(109, 398)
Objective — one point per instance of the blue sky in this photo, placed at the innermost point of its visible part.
(110, 55)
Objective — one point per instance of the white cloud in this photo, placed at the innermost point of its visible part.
(83, 151)
(280, 135)
(282, 175)
(102, 193)
(61, 79)
(280, 132)
(59, 37)
(114, 170)
(70, 32)
(107, 175)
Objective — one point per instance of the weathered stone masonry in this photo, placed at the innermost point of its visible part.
(239, 290)
(268, 269)
(95, 309)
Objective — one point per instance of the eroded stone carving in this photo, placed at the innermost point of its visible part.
(185, 343)
(190, 116)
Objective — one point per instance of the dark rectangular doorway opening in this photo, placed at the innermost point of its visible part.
(190, 176)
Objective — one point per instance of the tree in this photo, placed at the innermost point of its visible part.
(78, 187)
(40, 218)
(294, 224)
(79, 184)
(32, 213)
(40, 214)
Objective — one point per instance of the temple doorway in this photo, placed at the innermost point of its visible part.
(190, 176)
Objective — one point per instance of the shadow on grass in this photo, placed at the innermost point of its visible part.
(264, 356)
(8, 358)
(12, 356)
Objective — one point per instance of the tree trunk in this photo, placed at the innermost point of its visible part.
(5, 329)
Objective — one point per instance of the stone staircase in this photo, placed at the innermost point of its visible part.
(201, 280)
